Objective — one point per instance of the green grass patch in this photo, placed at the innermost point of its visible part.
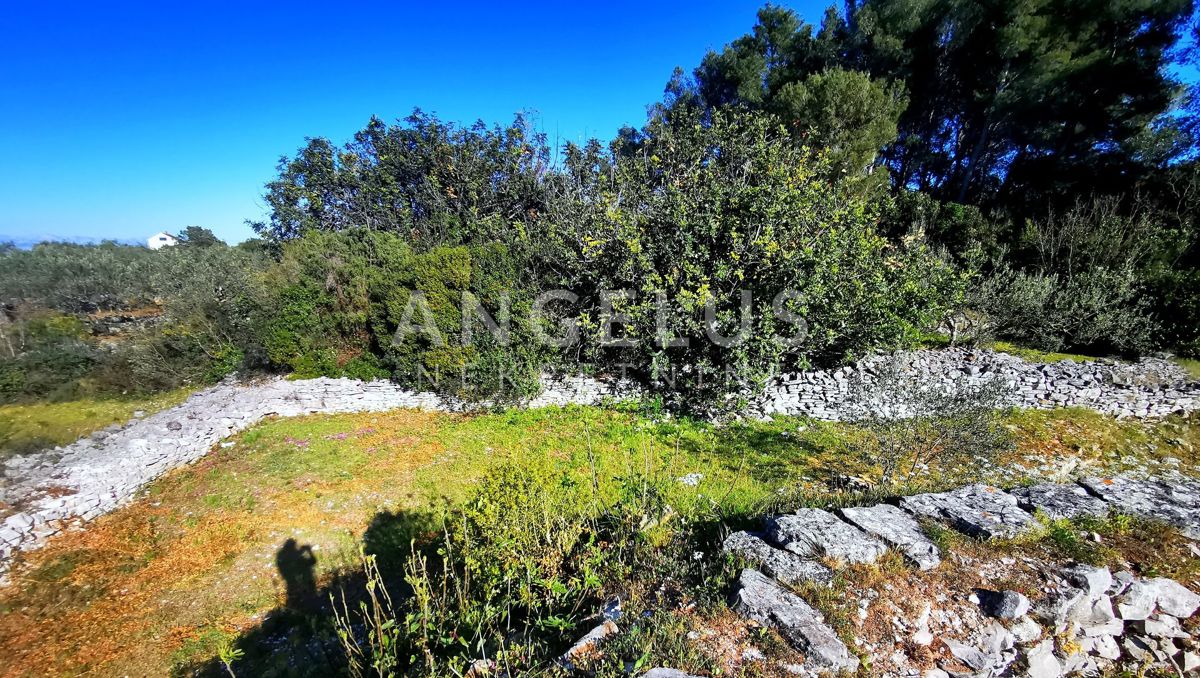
(34, 426)
(1192, 366)
(1038, 356)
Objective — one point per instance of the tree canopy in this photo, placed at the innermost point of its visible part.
(1005, 101)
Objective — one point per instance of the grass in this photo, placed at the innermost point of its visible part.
(164, 583)
(1192, 366)
(936, 340)
(30, 427)
(1090, 440)
(1038, 356)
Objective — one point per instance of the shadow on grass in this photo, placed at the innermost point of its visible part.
(299, 638)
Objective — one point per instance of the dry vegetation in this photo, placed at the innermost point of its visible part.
(158, 585)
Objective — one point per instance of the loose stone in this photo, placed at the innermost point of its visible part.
(813, 533)
(761, 599)
(1003, 604)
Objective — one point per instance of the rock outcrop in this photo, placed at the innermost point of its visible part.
(898, 529)
(761, 599)
(1086, 621)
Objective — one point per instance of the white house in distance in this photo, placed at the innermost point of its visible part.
(160, 240)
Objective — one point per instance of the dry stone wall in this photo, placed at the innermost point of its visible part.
(1149, 388)
(41, 494)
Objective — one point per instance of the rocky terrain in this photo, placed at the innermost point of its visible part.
(1077, 620)
(948, 618)
(41, 494)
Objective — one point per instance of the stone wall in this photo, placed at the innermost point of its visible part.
(1149, 388)
(47, 491)
(41, 494)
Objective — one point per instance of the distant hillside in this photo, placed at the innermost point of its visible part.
(27, 242)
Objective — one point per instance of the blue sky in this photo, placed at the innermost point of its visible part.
(118, 120)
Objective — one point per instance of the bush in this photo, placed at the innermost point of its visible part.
(914, 427)
(44, 355)
(342, 297)
(511, 577)
(694, 208)
(1175, 299)
(1085, 286)
(1098, 310)
(76, 278)
(52, 370)
(702, 212)
(964, 230)
(203, 300)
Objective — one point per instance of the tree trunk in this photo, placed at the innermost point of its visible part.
(973, 160)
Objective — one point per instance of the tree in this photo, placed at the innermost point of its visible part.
(430, 181)
(846, 113)
(1011, 101)
(705, 209)
(195, 236)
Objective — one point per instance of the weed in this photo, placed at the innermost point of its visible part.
(227, 654)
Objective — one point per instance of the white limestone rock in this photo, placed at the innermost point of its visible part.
(1172, 597)
(1060, 501)
(785, 566)
(813, 533)
(1041, 662)
(978, 510)
(761, 599)
(898, 529)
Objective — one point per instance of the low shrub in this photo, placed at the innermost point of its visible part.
(511, 576)
(914, 429)
(1094, 311)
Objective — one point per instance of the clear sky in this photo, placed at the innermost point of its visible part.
(118, 120)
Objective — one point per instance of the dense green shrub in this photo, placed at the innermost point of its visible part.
(44, 355)
(77, 278)
(1085, 286)
(964, 230)
(1175, 298)
(1100, 310)
(51, 370)
(434, 182)
(198, 305)
(703, 213)
(341, 298)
